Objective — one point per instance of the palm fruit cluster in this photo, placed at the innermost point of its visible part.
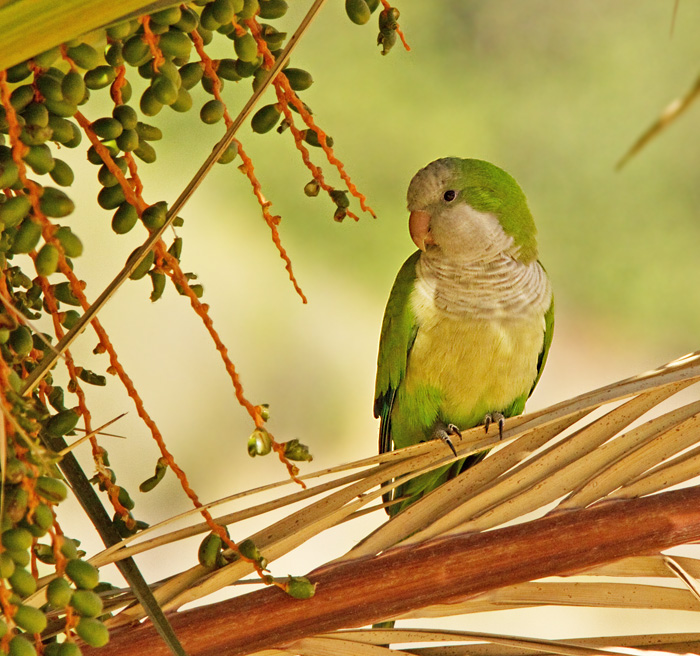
(45, 113)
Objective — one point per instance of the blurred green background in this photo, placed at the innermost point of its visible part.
(553, 92)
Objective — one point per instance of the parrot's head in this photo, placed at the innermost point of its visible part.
(468, 208)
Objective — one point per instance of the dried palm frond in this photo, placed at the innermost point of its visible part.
(575, 488)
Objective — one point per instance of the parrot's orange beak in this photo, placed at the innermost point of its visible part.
(419, 227)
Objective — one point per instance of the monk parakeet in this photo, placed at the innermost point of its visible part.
(469, 321)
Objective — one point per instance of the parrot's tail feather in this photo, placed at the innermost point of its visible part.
(408, 493)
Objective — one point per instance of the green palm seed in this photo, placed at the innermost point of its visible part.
(158, 283)
(136, 51)
(70, 318)
(63, 422)
(84, 55)
(39, 158)
(299, 79)
(188, 20)
(145, 152)
(148, 132)
(77, 137)
(128, 140)
(212, 111)
(265, 118)
(311, 138)
(20, 557)
(270, 9)
(46, 261)
(238, 5)
(15, 469)
(69, 548)
(209, 550)
(36, 114)
(92, 631)
(154, 216)
(206, 35)
(22, 344)
(20, 646)
(59, 593)
(191, 74)
(107, 127)
(16, 500)
(82, 573)
(70, 242)
(120, 31)
(250, 8)
(69, 649)
(18, 72)
(208, 85)
(62, 174)
(7, 565)
(100, 77)
(87, 603)
(228, 155)
(33, 135)
(109, 198)
(62, 130)
(139, 272)
(49, 87)
(73, 87)
(61, 107)
(169, 70)
(32, 620)
(273, 37)
(48, 57)
(175, 44)
(9, 172)
(106, 178)
(207, 20)
(246, 69)
(56, 203)
(26, 237)
(149, 104)
(223, 11)
(22, 582)
(168, 16)
(43, 516)
(300, 587)
(183, 103)
(126, 115)
(13, 210)
(64, 293)
(114, 54)
(124, 218)
(358, 11)
(164, 90)
(246, 47)
(226, 69)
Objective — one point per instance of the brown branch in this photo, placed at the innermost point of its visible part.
(445, 570)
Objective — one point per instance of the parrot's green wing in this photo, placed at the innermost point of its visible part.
(399, 330)
(548, 332)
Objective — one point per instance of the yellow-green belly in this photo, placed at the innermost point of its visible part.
(460, 369)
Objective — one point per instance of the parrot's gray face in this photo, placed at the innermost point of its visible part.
(462, 233)
(443, 223)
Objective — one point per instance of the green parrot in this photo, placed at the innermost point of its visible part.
(469, 321)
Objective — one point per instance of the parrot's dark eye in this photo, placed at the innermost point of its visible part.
(450, 195)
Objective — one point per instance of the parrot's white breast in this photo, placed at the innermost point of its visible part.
(480, 332)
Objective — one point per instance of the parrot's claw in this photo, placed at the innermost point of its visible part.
(492, 418)
(443, 432)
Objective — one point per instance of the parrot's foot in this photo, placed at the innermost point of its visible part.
(493, 418)
(444, 431)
